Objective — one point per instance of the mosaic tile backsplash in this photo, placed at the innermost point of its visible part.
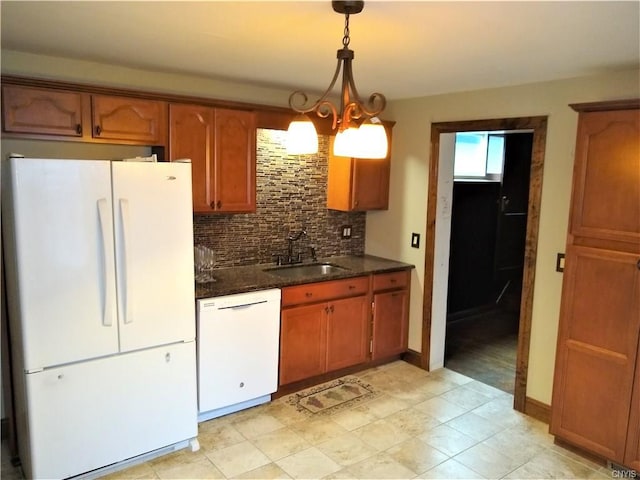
(291, 194)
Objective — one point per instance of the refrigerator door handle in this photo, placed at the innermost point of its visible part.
(126, 257)
(107, 309)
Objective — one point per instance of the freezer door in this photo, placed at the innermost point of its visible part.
(154, 253)
(92, 414)
(60, 261)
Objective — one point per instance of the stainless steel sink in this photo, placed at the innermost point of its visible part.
(305, 270)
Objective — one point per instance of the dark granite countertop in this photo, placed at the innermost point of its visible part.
(254, 277)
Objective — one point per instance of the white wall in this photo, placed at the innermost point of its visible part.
(389, 232)
(76, 71)
(409, 186)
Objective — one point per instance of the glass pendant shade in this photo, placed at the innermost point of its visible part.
(367, 141)
(372, 141)
(346, 142)
(302, 137)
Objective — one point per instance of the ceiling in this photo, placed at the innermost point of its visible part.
(402, 49)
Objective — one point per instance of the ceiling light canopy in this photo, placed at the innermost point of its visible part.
(365, 140)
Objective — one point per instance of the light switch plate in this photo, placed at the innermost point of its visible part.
(346, 231)
(415, 240)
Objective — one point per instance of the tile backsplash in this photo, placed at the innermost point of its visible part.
(291, 194)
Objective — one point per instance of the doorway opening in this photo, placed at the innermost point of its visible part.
(437, 241)
(489, 201)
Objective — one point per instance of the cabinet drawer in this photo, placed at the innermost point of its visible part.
(317, 292)
(384, 281)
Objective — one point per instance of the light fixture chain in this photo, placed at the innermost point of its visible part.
(352, 119)
(346, 39)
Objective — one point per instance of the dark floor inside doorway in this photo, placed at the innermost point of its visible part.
(483, 346)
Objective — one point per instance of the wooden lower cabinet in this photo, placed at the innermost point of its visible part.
(328, 326)
(389, 323)
(347, 332)
(390, 314)
(324, 327)
(303, 340)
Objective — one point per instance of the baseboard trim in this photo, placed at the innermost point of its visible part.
(413, 357)
(538, 410)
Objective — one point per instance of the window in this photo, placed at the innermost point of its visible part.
(478, 156)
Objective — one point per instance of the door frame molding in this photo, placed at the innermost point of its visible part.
(539, 126)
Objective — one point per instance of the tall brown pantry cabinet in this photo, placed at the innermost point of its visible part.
(596, 391)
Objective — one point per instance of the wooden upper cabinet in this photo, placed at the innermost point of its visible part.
(191, 136)
(356, 184)
(40, 111)
(235, 160)
(129, 119)
(221, 145)
(606, 195)
(82, 116)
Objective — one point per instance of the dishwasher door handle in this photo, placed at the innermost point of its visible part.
(242, 305)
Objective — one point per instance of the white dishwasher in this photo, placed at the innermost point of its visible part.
(238, 341)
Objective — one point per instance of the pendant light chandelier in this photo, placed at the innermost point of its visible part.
(366, 139)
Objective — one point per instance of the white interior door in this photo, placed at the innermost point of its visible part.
(63, 241)
(92, 414)
(154, 253)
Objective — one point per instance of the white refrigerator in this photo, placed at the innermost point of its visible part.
(100, 280)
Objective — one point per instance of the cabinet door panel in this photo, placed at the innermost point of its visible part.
(390, 323)
(597, 348)
(129, 119)
(40, 111)
(303, 340)
(357, 184)
(606, 197)
(191, 136)
(371, 184)
(347, 332)
(235, 160)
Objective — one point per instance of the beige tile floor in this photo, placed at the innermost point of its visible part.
(439, 425)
